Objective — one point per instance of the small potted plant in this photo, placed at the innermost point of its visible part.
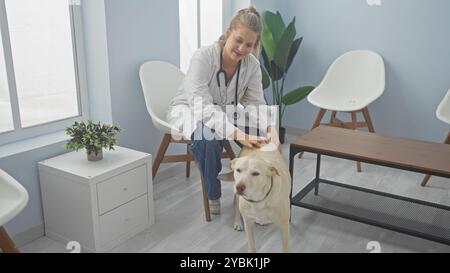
(93, 137)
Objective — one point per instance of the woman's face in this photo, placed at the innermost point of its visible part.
(240, 42)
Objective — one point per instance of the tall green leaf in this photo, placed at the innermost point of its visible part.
(265, 78)
(284, 46)
(266, 62)
(297, 95)
(277, 73)
(275, 24)
(293, 52)
(268, 41)
(273, 71)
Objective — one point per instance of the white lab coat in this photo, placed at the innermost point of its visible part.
(200, 84)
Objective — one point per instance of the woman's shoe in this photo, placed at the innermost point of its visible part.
(214, 206)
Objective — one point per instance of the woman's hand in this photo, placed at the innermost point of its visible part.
(249, 141)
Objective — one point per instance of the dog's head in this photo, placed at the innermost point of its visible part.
(251, 175)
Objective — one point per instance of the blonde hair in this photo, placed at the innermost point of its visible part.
(250, 18)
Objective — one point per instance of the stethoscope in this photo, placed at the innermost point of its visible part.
(221, 83)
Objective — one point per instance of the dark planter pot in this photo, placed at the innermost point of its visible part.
(282, 134)
(92, 156)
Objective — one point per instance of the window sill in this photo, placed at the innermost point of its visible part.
(32, 144)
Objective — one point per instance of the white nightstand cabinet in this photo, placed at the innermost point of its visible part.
(98, 204)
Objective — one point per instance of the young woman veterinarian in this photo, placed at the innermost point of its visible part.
(226, 73)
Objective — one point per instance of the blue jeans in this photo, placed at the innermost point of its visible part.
(207, 152)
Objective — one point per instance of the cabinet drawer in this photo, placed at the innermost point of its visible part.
(122, 188)
(123, 219)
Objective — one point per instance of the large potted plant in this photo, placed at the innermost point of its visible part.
(93, 137)
(279, 48)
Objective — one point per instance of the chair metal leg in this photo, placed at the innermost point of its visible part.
(6, 243)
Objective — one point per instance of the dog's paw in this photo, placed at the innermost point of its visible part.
(238, 227)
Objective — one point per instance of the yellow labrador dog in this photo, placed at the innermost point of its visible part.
(263, 184)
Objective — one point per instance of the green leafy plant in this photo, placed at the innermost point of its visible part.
(91, 136)
(279, 48)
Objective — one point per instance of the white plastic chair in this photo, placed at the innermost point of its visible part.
(160, 82)
(353, 81)
(443, 110)
(443, 114)
(13, 199)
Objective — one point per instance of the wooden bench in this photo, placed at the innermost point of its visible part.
(411, 216)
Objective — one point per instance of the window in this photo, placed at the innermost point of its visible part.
(40, 86)
(6, 121)
(200, 25)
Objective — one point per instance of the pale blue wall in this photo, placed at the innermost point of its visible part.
(230, 8)
(97, 63)
(138, 31)
(411, 35)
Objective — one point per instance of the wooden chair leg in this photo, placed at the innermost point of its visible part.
(229, 150)
(188, 162)
(161, 152)
(319, 118)
(205, 198)
(427, 177)
(425, 180)
(355, 126)
(366, 115)
(6, 243)
(316, 123)
(333, 116)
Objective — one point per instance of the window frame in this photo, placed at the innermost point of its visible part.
(198, 24)
(19, 133)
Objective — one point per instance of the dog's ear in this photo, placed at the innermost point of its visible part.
(232, 162)
(271, 170)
